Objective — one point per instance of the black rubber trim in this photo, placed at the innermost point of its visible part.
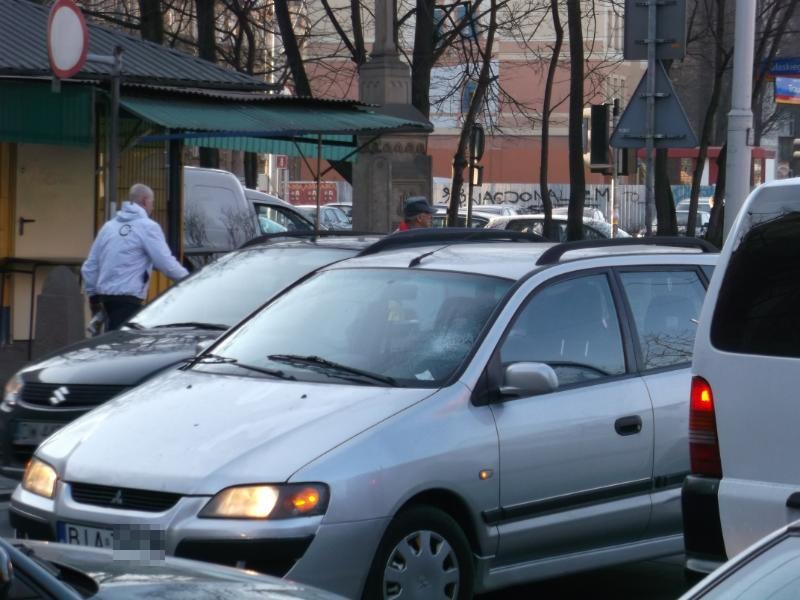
(305, 234)
(552, 255)
(793, 501)
(274, 556)
(566, 502)
(28, 527)
(702, 530)
(447, 235)
(662, 482)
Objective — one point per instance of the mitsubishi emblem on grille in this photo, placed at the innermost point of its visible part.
(117, 499)
(59, 396)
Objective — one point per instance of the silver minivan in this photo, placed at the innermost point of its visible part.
(479, 415)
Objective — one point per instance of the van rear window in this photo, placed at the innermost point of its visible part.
(758, 307)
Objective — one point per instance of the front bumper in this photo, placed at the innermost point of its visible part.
(303, 549)
(702, 531)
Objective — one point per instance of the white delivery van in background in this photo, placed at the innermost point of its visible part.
(219, 214)
(744, 424)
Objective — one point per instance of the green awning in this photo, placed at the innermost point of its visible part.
(278, 126)
(30, 112)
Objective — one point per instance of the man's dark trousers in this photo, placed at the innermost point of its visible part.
(119, 309)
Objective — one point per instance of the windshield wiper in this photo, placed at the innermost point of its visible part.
(133, 325)
(216, 359)
(316, 361)
(196, 325)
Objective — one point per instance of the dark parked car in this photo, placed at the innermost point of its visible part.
(44, 396)
(43, 571)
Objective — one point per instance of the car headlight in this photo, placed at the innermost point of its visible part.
(268, 502)
(40, 478)
(11, 393)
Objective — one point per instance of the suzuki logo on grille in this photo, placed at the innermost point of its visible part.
(59, 396)
(117, 499)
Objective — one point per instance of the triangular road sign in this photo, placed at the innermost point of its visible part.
(672, 128)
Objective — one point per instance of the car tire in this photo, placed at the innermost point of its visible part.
(423, 554)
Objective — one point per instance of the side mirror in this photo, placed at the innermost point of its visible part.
(6, 574)
(528, 379)
(202, 346)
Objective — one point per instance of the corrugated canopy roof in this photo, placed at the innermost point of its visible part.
(278, 125)
(23, 52)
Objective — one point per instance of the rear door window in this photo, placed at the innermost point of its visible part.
(665, 307)
(758, 306)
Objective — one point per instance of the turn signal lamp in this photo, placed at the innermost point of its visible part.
(305, 501)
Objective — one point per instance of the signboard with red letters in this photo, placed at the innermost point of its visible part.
(282, 161)
(304, 192)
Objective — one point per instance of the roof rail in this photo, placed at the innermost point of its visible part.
(552, 255)
(305, 234)
(447, 235)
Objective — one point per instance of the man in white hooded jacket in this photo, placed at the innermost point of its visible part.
(117, 271)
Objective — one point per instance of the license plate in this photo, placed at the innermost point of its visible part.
(80, 535)
(33, 433)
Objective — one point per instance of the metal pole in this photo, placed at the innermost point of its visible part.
(319, 175)
(113, 146)
(740, 118)
(469, 192)
(614, 166)
(650, 192)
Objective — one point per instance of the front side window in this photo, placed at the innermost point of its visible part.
(227, 290)
(757, 306)
(415, 327)
(282, 217)
(571, 326)
(665, 307)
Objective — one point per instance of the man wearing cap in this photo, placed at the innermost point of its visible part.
(417, 213)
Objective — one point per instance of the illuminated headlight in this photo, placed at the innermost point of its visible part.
(268, 502)
(11, 393)
(39, 478)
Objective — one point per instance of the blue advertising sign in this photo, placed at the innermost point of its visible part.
(787, 90)
(783, 67)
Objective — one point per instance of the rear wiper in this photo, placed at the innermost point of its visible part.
(196, 325)
(216, 359)
(317, 361)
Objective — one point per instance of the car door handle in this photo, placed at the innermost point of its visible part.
(793, 501)
(628, 425)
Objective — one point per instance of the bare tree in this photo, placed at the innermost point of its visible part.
(546, 115)
(475, 106)
(577, 177)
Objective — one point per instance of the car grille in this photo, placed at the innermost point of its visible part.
(123, 498)
(73, 395)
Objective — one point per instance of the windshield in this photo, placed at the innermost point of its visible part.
(405, 327)
(227, 290)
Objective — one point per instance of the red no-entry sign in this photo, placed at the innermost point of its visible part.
(67, 39)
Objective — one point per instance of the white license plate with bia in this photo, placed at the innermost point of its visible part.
(33, 433)
(80, 535)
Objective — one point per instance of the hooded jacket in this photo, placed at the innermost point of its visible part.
(124, 253)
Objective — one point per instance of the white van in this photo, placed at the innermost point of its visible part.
(219, 214)
(744, 425)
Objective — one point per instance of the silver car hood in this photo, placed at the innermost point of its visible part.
(195, 433)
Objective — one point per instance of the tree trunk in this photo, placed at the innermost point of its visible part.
(422, 64)
(207, 49)
(292, 49)
(717, 219)
(577, 176)
(151, 21)
(484, 79)
(546, 114)
(665, 202)
(720, 63)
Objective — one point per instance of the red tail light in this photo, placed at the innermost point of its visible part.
(703, 441)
